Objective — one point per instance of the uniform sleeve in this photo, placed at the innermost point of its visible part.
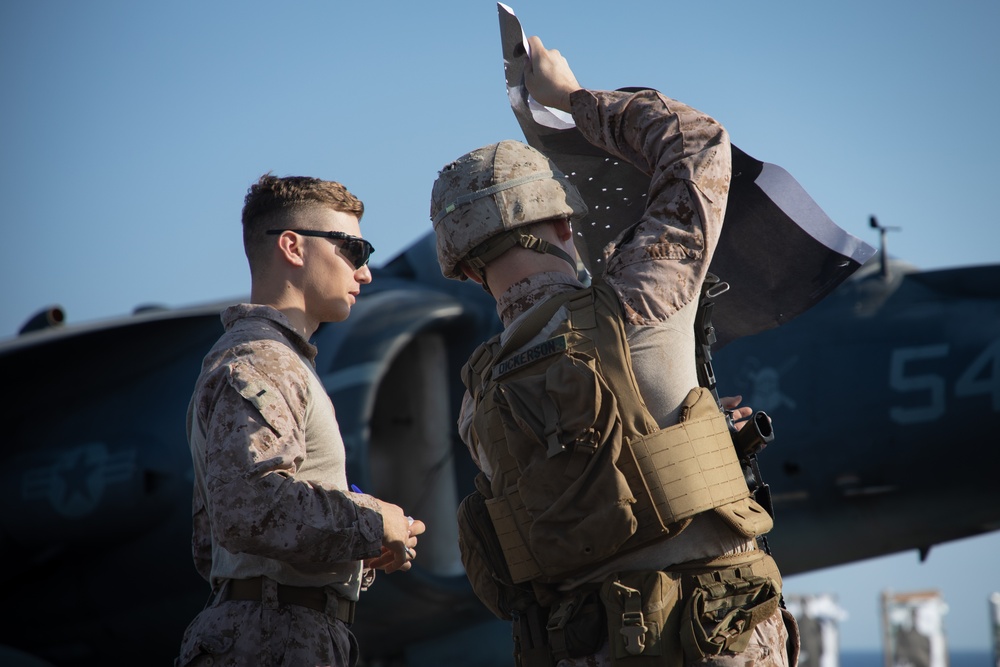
(658, 264)
(253, 419)
(201, 536)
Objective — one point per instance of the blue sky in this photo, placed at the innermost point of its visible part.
(131, 130)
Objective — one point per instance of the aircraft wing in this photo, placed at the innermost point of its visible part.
(779, 251)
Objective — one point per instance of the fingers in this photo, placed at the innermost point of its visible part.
(403, 560)
(548, 76)
(535, 47)
(392, 560)
(417, 527)
(409, 547)
(730, 402)
(737, 415)
(741, 413)
(381, 561)
(399, 539)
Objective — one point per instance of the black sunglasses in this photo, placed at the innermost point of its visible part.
(356, 249)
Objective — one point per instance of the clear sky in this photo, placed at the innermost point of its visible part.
(129, 132)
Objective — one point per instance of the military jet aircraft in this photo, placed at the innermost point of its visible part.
(882, 398)
(886, 397)
(881, 395)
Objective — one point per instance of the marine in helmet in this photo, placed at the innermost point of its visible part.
(578, 412)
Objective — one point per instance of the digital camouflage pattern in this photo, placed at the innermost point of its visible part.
(270, 494)
(660, 265)
(466, 210)
(237, 634)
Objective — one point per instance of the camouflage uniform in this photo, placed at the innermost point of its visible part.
(270, 499)
(656, 268)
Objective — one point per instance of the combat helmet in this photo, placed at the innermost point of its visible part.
(480, 199)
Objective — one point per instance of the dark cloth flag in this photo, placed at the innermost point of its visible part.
(778, 251)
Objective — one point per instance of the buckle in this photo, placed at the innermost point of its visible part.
(633, 628)
(634, 631)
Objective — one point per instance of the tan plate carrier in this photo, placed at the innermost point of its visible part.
(671, 474)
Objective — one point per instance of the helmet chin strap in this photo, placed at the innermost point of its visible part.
(490, 249)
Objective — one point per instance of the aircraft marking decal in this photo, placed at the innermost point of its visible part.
(930, 383)
(765, 392)
(76, 482)
(982, 376)
(909, 373)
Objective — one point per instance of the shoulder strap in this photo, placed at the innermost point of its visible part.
(617, 361)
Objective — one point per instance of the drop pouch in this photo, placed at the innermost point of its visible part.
(721, 610)
(644, 616)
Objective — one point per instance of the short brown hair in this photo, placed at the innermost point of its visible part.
(272, 198)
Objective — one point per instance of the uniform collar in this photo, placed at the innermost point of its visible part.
(274, 317)
(524, 294)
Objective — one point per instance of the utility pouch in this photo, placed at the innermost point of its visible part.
(531, 647)
(576, 625)
(644, 615)
(483, 558)
(722, 609)
(571, 505)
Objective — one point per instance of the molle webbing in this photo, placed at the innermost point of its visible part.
(672, 474)
(684, 470)
(749, 563)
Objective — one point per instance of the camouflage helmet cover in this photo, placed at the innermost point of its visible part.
(492, 190)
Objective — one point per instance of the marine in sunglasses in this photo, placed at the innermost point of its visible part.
(277, 530)
(356, 249)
